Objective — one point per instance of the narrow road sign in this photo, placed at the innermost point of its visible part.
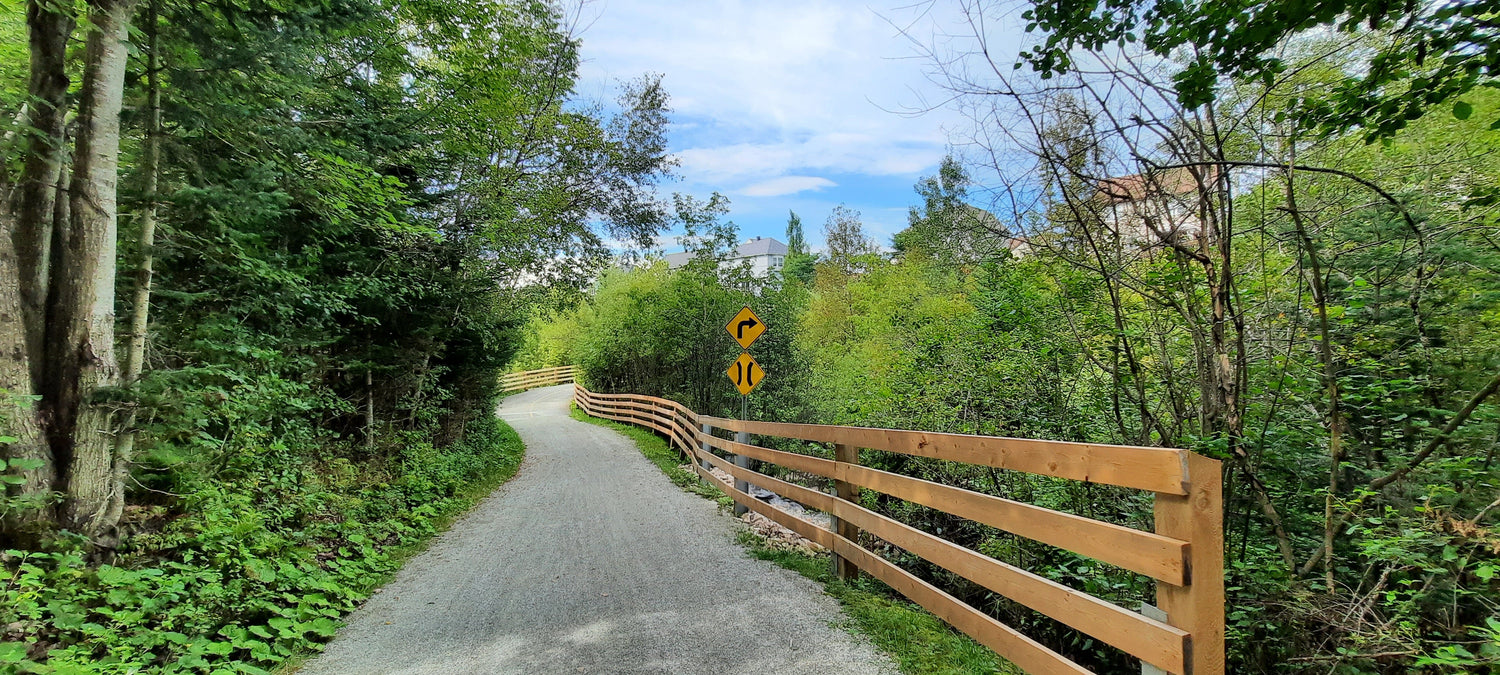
(745, 327)
(745, 373)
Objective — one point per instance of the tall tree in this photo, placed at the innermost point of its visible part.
(796, 242)
(64, 273)
(799, 263)
(946, 226)
(845, 238)
(81, 362)
(28, 230)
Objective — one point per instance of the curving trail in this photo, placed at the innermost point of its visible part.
(591, 561)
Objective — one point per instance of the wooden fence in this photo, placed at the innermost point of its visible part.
(537, 378)
(1184, 554)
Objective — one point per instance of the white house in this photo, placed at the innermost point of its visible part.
(764, 254)
(1150, 209)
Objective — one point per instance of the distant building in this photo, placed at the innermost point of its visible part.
(1154, 208)
(764, 254)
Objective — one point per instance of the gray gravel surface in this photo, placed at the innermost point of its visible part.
(591, 561)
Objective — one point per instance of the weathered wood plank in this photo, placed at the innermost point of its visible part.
(1147, 553)
(1187, 546)
(814, 465)
(1155, 642)
(1025, 652)
(1154, 469)
(844, 569)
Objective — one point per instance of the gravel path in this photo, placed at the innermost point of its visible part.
(591, 561)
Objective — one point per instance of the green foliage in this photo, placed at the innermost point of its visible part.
(653, 330)
(799, 263)
(1058, 345)
(14, 56)
(251, 575)
(946, 227)
(360, 205)
(1434, 54)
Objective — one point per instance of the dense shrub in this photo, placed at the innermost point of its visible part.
(244, 574)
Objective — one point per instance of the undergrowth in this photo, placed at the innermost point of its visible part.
(251, 573)
(919, 643)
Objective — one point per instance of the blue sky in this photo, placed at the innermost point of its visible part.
(784, 105)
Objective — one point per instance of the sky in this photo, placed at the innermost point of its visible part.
(783, 105)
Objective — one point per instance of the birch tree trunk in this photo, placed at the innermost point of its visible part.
(140, 311)
(81, 326)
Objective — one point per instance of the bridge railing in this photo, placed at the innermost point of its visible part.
(1184, 553)
(537, 378)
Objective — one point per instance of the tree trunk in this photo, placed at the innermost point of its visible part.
(81, 365)
(26, 234)
(48, 26)
(369, 410)
(1319, 288)
(140, 311)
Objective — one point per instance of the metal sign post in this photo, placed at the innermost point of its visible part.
(746, 374)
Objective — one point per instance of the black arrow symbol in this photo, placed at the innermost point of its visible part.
(739, 331)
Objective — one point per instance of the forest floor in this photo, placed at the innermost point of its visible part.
(590, 561)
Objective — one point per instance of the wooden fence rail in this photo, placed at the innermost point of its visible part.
(537, 378)
(1184, 554)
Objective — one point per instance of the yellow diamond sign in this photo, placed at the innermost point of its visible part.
(745, 373)
(745, 327)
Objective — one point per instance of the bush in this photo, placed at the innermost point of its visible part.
(248, 574)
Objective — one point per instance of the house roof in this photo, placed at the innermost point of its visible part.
(751, 248)
(1139, 186)
(760, 246)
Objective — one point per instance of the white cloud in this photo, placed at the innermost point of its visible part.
(786, 185)
(777, 88)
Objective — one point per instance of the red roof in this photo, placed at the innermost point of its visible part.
(1139, 186)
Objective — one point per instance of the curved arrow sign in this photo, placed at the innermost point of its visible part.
(745, 327)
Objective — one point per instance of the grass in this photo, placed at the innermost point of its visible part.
(919, 643)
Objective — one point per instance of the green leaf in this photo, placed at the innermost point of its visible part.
(260, 570)
(23, 463)
(324, 627)
(1462, 110)
(12, 652)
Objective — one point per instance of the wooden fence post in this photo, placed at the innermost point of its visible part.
(708, 430)
(744, 463)
(1198, 518)
(843, 567)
